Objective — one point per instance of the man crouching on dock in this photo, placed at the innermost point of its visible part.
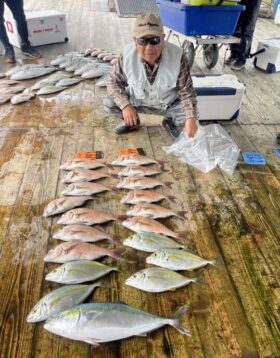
(152, 76)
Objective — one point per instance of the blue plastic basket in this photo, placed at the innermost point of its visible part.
(199, 20)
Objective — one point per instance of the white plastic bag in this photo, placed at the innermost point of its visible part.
(211, 146)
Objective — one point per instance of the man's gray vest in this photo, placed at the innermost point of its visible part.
(162, 92)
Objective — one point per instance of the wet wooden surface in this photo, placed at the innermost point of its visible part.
(237, 314)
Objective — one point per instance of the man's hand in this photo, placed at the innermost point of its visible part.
(130, 115)
(190, 127)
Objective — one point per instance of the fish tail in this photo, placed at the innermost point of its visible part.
(218, 262)
(116, 253)
(115, 239)
(200, 281)
(168, 184)
(177, 320)
(181, 214)
(161, 164)
(114, 175)
(121, 218)
(109, 165)
(114, 189)
(170, 198)
(181, 235)
(101, 284)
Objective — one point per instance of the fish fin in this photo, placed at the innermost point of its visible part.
(102, 284)
(116, 253)
(170, 198)
(218, 262)
(181, 235)
(168, 184)
(142, 334)
(181, 214)
(177, 320)
(91, 341)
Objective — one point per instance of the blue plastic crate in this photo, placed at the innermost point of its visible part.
(199, 20)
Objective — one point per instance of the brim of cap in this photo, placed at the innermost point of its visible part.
(148, 32)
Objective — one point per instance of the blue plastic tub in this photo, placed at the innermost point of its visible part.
(199, 20)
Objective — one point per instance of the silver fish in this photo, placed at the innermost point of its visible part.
(141, 182)
(94, 73)
(102, 82)
(84, 233)
(87, 217)
(15, 69)
(83, 164)
(154, 211)
(95, 323)
(85, 188)
(78, 272)
(125, 160)
(158, 280)
(32, 72)
(138, 170)
(151, 242)
(80, 175)
(5, 97)
(12, 89)
(60, 205)
(76, 250)
(50, 89)
(178, 260)
(141, 224)
(23, 97)
(68, 81)
(145, 196)
(59, 300)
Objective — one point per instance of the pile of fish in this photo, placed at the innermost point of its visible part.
(72, 68)
(151, 235)
(95, 323)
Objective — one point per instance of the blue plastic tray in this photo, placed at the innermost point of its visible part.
(253, 158)
(199, 20)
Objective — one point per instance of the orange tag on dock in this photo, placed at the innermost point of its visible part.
(132, 151)
(89, 155)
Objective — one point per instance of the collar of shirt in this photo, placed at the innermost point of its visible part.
(151, 71)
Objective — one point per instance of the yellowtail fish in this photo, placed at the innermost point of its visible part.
(78, 272)
(159, 280)
(174, 259)
(60, 300)
(151, 242)
(95, 323)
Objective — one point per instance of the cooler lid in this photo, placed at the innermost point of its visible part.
(217, 85)
(273, 42)
(42, 14)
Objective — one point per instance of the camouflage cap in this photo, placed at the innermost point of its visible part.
(148, 24)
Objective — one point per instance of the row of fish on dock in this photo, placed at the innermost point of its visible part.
(71, 69)
(101, 322)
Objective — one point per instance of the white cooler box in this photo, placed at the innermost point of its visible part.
(269, 60)
(44, 27)
(218, 96)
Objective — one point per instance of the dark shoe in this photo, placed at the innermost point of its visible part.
(9, 55)
(238, 64)
(171, 128)
(30, 51)
(123, 128)
(232, 57)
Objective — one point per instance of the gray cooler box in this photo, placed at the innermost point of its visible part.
(218, 96)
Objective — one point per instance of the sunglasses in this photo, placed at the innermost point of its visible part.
(143, 41)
